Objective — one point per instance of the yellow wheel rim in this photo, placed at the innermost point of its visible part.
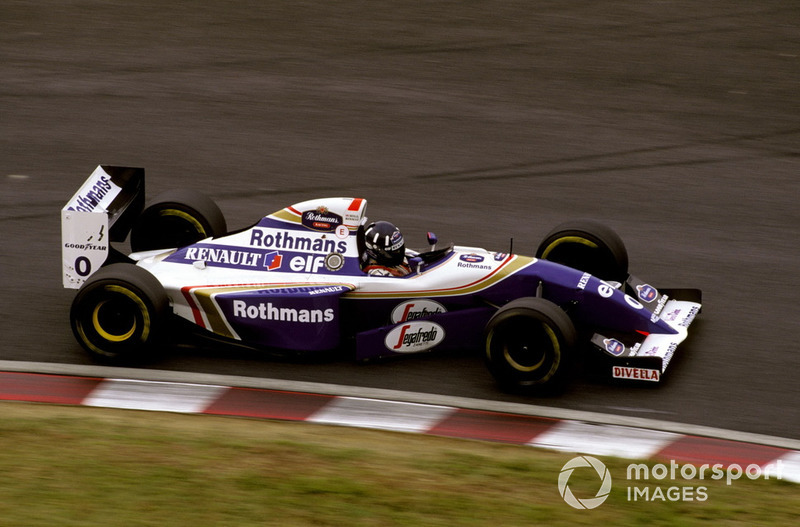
(128, 334)
(556, 350)
(105, 334)
(186, 217)
(527, 369)
(92, 342)
(568, 239)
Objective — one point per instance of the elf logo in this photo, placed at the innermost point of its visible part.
(414, 337)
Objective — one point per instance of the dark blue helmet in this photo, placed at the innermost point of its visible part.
(384, 243)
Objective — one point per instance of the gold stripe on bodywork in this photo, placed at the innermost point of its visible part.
(286, 215)
(512, 265)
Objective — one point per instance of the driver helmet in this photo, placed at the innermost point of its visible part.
(384, 243)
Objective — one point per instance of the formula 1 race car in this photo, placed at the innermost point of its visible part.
(295, 281)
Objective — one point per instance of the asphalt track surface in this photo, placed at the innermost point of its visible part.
(676, 123)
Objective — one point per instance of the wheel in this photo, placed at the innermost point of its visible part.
(118, 314)
(588, 246)
(176, 219)
(529, 346)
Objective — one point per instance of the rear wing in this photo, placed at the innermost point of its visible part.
(101, 212)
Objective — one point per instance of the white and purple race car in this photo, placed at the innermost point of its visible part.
(294, 281)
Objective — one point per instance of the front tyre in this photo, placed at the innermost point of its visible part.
(529, 346)
(588, 246)
(177, 218)
(118, 314)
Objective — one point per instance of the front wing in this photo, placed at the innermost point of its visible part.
(645, 357)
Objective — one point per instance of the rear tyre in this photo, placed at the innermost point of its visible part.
(529, 346)
(588, 246)
(175, 219)
(119, 313)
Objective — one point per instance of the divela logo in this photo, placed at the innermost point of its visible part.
(602, 473)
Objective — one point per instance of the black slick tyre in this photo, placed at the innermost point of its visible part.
(529, 346)
(176, 219)
(588, 246)
(119, 313)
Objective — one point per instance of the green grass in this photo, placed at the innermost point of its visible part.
(70, 466)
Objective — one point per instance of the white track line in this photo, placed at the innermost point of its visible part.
(379, 414)
(395, 395)
(604, 440)
(158, 396)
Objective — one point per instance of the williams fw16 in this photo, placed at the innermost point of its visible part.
(295, 281)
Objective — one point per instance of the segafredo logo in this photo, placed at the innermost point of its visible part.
(581, 462)
(416, 309)
(414, 337)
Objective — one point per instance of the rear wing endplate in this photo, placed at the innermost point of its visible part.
(102, 211)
